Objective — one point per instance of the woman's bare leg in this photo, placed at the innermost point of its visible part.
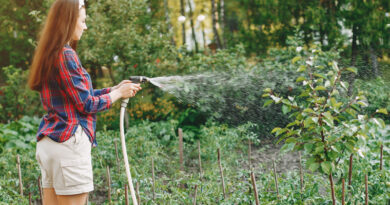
(77, 199)
(49, 196)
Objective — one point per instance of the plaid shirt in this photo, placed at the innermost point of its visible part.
(70, 100)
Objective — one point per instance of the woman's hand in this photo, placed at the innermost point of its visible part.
(121, 83)
(128, 90)
(124, 90)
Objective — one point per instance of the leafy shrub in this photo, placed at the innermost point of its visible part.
(325, 122)
(19, 135)
(377, 94)
(16, 100)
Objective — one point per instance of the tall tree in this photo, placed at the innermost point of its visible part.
(192, 26)
(183, 25)
(214, 24)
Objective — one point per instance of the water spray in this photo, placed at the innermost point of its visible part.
(133, 79)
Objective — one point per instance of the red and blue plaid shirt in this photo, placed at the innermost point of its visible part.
(70, 100)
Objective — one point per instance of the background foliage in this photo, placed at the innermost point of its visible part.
(242, 47)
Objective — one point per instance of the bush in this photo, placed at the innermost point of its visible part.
(377, 94)
(16, 99)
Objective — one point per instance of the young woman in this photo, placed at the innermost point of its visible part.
(67, 132)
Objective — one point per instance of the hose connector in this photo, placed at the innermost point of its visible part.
(139, 79)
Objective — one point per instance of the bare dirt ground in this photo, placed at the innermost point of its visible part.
(268, 151)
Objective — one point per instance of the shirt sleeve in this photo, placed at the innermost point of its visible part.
(97, 92)
(76, 85)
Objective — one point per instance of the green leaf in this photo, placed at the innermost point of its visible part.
(379, 122)
(292, 124)
(362, 103)
(267, 103)
(301, 68)
(328, 118)
(352, 69)
(267, 90)
(335, 66)
(286, 109)
(300, 79)
(313, 166)
(320, 87)
(319, 75)
(382, 110)
(295, 59)
(276, 129)
(308, 110)
(287, 147)
(308, 147)
(326, 167)
(319, 148)
(344, 85)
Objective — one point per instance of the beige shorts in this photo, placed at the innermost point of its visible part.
(66, 166)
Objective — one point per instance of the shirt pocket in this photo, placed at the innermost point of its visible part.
(77, 172)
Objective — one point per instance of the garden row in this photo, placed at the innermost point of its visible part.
(164, 176)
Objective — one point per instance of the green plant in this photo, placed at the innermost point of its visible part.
(16, 100)
(326, 123)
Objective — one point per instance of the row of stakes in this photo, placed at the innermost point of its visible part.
(181, 160)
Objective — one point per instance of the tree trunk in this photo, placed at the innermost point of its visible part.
(111, 75)
(222, 21)
(192, 27)
(168, 21)
(183, 27)
(216, 35)
(374, 62)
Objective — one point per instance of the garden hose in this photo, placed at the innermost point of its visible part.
(124, 151)
(134, 79)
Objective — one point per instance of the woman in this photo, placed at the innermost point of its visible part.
(67, 132)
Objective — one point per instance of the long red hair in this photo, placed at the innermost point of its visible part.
(57, 31)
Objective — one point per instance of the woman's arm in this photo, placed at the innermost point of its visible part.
(76, 85)
(97, 92)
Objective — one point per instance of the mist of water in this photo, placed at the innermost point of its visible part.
(233, 97)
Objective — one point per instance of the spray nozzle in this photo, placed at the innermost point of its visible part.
(139, 79)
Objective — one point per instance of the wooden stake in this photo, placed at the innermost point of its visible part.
(250, 153)
(40, 188)
(196, 190)
(117, 157)
(343, 192)
(153, 181)
(20, 175)
(350, 170)
(108, 183)
(126, 195)
(301, 171)
(276, 181)
(366, 184)
(200, 160)
(221, 171)
(253, 179)
(137, 192)
(381, 159)
(29, 198)
(181, 149)
(332, 189)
